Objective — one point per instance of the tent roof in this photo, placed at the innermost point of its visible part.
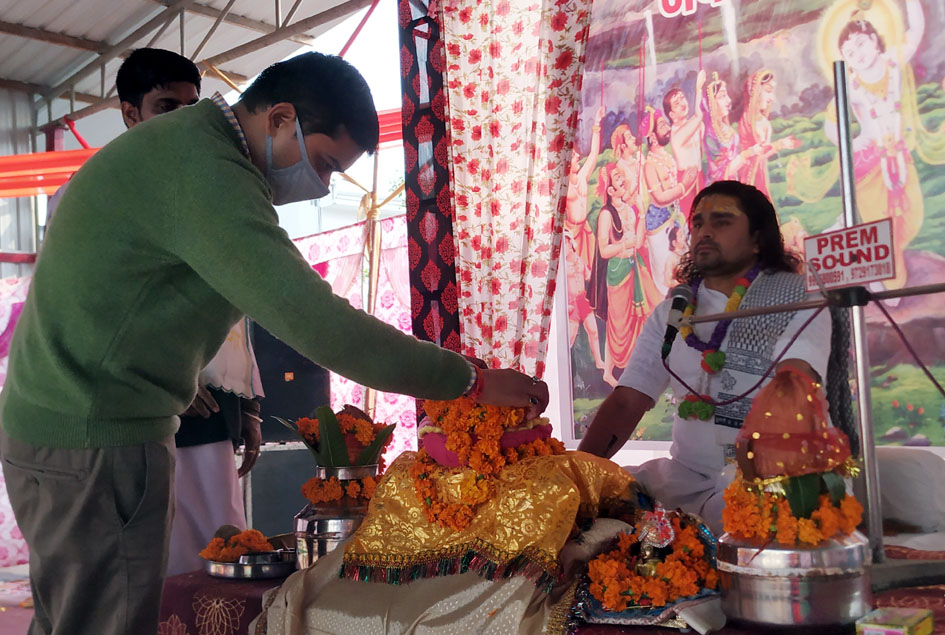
(58, 48)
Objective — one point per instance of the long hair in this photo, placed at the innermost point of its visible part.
(762, 222)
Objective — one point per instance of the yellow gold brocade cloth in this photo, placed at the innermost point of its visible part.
(519, 531)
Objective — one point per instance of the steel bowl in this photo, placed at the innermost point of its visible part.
(796, 587)
(255, 566)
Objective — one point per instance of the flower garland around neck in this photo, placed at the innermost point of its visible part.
(693, 406)
(473, 432)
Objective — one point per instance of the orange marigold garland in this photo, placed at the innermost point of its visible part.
(623, 578)
(760, 513)
(472, 432)
(248, 541)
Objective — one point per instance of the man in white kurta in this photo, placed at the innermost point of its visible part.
(727, 241)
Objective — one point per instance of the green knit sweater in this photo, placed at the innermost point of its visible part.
(162, 241)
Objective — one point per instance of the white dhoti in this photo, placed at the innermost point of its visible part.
(701, 466)
(208, 495)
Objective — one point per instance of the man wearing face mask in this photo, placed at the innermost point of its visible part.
(111, 339)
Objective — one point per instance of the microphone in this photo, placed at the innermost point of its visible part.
(682, 297)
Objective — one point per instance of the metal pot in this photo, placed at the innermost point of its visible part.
(322, 527)
(793, 586)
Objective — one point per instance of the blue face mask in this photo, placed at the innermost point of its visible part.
(298, 182)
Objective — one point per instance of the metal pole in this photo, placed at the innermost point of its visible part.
(374, 266)
(869, 481)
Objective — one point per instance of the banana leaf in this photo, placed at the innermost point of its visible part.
(372, 453)
(802, 493)
(334, 452)
(835, 486)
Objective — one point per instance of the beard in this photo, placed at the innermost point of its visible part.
(712, 262)
(663, 140)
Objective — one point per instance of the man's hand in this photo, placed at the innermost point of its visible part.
(203, 404)
(252, 439)
(507, 387)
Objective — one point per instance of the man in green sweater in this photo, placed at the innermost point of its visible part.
(164, 239)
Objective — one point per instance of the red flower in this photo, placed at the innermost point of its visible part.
(469, 90)
(502, 87)
(559, 21)
(539, 268)
(518, 28)
(564, 60)
(502, 8)
(495, 285)
(465, 14)
(475, 56)
(557, 143)
(552, 104)
(502, 166)
(895, 403)
(910, 407)
(531, 349)
(453, 49)
(501, 324)
(483, 19)
(495, 49)
(495, 128)
(476, 133)
(501, 245)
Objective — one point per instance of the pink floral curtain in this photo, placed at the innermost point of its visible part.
(337, 256)
(514, 72)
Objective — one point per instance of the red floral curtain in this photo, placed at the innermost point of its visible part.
(514, 71)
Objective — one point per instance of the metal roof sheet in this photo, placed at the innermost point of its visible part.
(47, 64)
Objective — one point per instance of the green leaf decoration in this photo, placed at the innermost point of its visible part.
(311, 447)
(835, 486)
(371, 453)
(715, 360)
(802, 493)
(333, 449)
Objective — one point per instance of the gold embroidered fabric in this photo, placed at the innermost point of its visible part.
(536, 503)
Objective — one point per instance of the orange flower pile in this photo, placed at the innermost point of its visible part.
(759, 517)
(249, 541)
(472, 431)
(318, 490)
(361, 429)
(683, 573)
(308, 428)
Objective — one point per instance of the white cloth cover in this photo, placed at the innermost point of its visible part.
(912, 486)
(234, 367)
(208, 495)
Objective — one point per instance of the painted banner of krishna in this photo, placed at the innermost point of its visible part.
(680, 93)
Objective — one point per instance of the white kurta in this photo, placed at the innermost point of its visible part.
(695, 476)
(206, 484)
